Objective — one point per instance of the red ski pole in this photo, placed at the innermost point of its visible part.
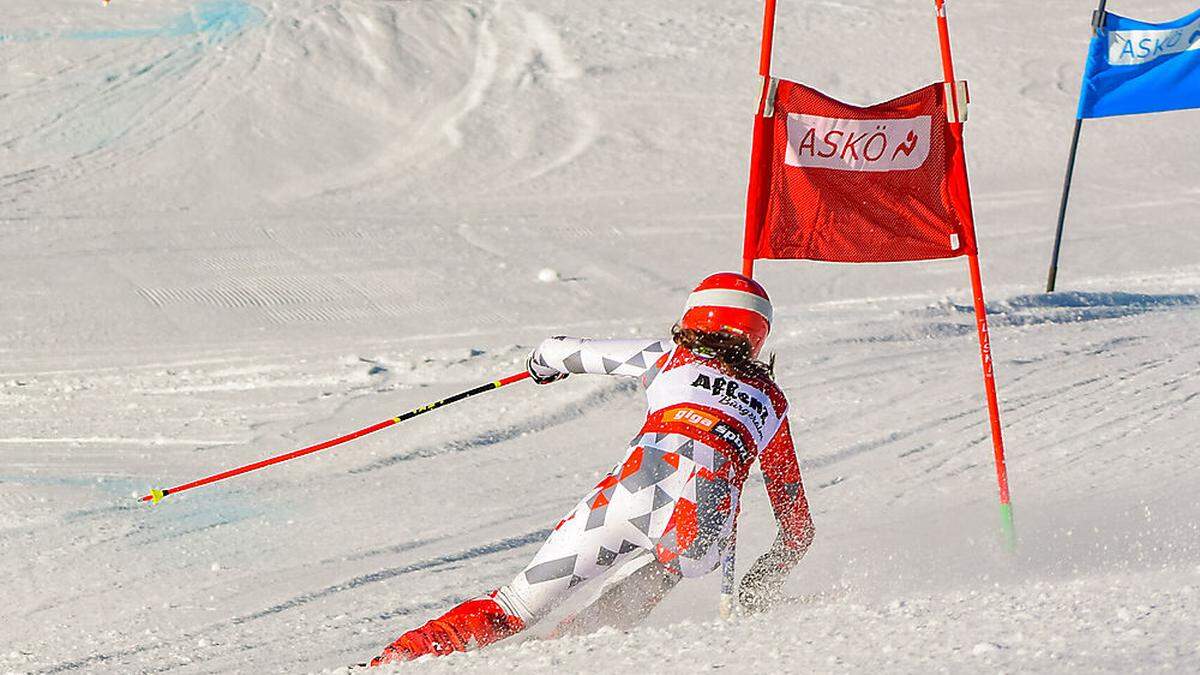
(156, 496)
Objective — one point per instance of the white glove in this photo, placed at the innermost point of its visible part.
(540, 372)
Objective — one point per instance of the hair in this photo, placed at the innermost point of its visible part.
(732, 351)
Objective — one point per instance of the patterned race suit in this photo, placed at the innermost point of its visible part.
(675, 493)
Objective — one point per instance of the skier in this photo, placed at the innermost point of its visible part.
(672, 502)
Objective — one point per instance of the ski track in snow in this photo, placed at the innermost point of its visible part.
(375, 577)
(230, 229)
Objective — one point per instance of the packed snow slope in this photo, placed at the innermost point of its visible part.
(229, 228)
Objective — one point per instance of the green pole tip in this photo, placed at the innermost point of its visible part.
(1007, 527)
(156, 496)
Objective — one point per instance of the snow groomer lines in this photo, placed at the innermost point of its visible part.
(215, 20)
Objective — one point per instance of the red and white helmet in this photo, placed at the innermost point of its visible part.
(730, 303)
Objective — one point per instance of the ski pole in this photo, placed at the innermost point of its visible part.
(728, 602)
(157, 496)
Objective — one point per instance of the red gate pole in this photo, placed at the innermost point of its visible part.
(754, 203)
(768, 39)
(981, 323)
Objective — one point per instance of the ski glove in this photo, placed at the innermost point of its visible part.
(762, 587)
(540, 372)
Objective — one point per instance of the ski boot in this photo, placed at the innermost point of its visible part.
(473, 624)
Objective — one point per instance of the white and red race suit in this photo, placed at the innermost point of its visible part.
(676, 491)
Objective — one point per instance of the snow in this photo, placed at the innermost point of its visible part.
(233, 228)
(1035, 627)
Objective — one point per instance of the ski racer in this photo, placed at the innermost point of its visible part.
(673, 500)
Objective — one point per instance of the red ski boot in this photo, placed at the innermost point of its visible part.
(471, 625)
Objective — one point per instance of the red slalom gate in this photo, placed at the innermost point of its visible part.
(839, 204)
(157, 496)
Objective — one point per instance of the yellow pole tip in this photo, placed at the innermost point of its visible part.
(156, 496)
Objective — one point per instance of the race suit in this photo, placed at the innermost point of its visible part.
(676, 492)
